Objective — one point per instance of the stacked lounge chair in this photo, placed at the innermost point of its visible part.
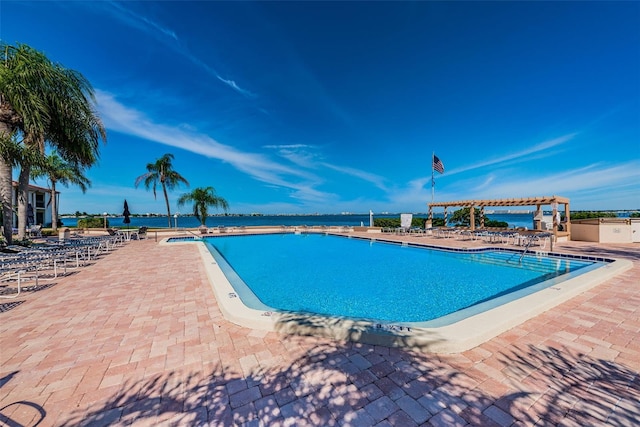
(20, 265)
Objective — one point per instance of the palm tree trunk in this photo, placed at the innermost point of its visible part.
(6, 174)
(23, 200)
(54, 208)
(6, 199)
(166, 199)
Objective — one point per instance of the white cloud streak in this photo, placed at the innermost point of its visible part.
(587, 178)
(587, 185)
(299, 154)
(120, 118)
(374, 179)
(142, 23)
(304, 155)
(540, 150)
(233, 85)
(170, 39)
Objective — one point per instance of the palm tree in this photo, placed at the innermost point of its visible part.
(58, 170)
(42, 102)
(162, 172)
(202, 198)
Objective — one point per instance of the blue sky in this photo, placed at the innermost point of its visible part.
(327, 107)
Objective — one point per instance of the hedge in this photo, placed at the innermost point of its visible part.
(95, 222)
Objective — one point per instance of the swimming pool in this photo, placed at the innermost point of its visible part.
(364, 279)
(536, 285)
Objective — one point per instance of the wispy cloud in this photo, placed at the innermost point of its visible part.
(539, 150)
(306, 156)
(587, 178)
(489, 180)
(288, 146)
(376, 180)
(140, 22)
(233, 85)
(299, 154)
(597, 178)
(166, 36)
(591, 186)
(129, 121)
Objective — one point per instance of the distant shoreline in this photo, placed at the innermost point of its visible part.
(346, 214)
(189, 221)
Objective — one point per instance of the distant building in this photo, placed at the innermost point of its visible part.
(38, 199)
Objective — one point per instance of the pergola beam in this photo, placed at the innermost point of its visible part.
(527, 201)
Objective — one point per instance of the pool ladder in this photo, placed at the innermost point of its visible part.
(526, 248)
(524, 252)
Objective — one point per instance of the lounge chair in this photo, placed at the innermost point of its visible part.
(140, 234)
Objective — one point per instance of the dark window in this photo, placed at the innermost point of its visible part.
(40, 200)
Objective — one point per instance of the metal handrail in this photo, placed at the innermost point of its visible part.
(526, 248)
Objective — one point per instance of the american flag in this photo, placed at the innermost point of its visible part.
(437, 164)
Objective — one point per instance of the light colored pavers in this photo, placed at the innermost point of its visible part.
(137, 338)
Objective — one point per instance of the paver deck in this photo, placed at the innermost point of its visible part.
(137, 339)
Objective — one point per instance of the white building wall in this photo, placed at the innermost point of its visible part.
(39, 198)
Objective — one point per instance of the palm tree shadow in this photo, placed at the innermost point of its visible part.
(346, 329)
(22, 411)
(568, 385)
(333, 383)
(329, 384)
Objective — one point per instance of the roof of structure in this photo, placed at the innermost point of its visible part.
(525, 201)
(34, 187)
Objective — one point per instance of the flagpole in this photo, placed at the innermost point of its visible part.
(433, 179)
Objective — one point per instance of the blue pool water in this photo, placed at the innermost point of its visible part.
(366, 279)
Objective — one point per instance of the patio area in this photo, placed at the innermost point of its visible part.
(138, 338)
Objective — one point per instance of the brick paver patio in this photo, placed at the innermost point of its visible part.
(137, 338)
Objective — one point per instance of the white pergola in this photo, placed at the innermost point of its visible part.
(553, 201)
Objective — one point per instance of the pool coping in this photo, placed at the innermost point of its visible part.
(453, 338)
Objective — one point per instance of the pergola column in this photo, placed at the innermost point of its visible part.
(555, 221)
(482, 217)
(472, 217)
(537, 223)
(445, 216)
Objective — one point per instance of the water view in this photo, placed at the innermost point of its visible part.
(513, 219)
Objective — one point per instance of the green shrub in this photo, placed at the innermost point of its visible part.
(496, 224)
(634, 215)
(94, 222)
(386, 222)
(591, 214)
(438, 222)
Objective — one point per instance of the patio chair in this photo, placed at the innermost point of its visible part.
(35, 231)
(113, 232)
(141, 233)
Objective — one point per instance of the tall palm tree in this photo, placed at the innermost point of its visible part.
(162, 172)
(202, 198)
(43, 102)
(60, 171)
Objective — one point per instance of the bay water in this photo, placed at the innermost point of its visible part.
(189, 221)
